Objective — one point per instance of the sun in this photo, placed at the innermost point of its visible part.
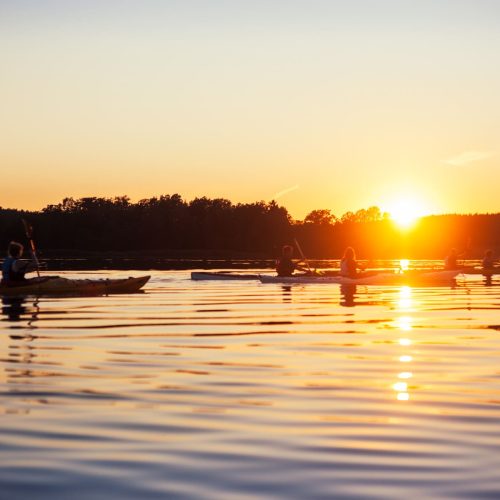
(405, 212)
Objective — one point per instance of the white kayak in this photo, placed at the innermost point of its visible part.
(408, 278)
(221, 275)
(494, 271)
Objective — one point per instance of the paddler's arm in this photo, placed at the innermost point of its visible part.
(306, 268)
(360, 266)
(25, 266)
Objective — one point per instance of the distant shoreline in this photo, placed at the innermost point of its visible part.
(157, 230)
(131, 262)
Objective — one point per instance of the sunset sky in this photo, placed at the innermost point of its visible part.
(318, 104)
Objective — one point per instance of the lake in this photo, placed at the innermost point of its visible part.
(239, 390)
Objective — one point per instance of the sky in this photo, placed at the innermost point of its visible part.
(317, 104)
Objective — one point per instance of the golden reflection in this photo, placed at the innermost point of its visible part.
(400, 386)
(404, 323)
(405, 300)
(404, 264)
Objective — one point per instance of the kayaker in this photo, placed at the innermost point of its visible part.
(450, 261)
(348, 264)
(285, 266)
(13, 269)
(488, 260)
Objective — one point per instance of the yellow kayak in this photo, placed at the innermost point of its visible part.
(55, 285)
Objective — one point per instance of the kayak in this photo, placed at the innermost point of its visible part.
(56, 285)
(480, 271)
(226, 276)
(409, 278)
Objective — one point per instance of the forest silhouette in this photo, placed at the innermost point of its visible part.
(207, 227)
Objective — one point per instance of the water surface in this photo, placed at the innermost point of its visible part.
(243, 390)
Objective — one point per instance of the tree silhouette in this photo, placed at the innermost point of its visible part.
(208, 226)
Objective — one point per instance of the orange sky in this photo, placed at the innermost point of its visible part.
(319, 104)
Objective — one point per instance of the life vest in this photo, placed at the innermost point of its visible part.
(488, 263)
(285, 266)
(348, 268)
(8, 273)
(450, 262)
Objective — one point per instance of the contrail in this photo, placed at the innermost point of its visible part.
(279, 194)
(468, 157)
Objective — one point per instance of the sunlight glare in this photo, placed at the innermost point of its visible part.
(400, 386)
(404, 264)
(405, 212)
(404, 323)
(405, 300)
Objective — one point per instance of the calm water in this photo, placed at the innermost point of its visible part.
(242, 390)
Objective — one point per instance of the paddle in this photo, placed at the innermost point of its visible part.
(303, 256)
(29, 234)
(466, 252)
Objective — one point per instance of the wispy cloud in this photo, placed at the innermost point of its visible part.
(468, 157)
(279, 194)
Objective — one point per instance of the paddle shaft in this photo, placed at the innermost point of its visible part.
(466, 252)
(302, 255)
(29, 234)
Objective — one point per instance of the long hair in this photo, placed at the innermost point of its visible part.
(349, 254)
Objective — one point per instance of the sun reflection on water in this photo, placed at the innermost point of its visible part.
(405, 324)
(400, 386)
(405, 301)
(191, 379)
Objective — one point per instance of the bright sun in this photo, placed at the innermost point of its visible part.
(405, 212)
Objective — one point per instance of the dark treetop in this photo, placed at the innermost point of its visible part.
(208, 227)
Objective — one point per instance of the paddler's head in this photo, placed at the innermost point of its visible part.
(287, 251)
(349, 254)
(15, 249)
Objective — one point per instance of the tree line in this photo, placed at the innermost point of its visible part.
(169, 223)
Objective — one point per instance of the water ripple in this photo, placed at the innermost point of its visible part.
(242, 390)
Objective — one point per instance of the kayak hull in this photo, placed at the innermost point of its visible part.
(55, 285)
(425, 278)
(222, 276)
(483, 272)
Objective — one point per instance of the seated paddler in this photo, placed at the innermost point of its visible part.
(488, 261)
(285, 266)
(349, 265)
(13, 268)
